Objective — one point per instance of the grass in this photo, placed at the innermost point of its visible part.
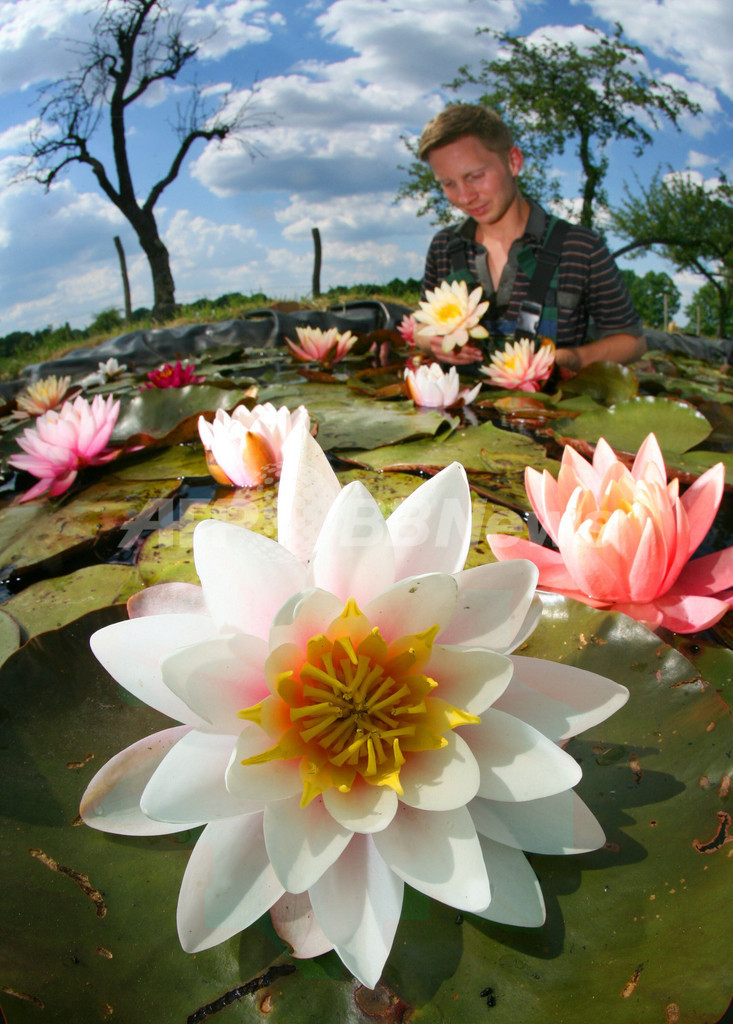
(52, 344)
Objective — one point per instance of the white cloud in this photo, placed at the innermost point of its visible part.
(224, 27)
(696, 35)
(348, 217)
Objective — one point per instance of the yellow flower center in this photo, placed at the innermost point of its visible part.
(447, 311)
(355, 707)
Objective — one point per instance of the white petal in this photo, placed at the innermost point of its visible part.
(560, 700)
(431, 529)
(304, 615)
(516, 896)
(308, 488)
(440, 780)
(302, 842)
(111, 802)
(554, 825)
(188, 785)
(228, 884)
(413, 605)
(493, 604)
(246, 577)
(438, 853)
(364, 809)
(469, 678)
(219, 677)
(353, 556)
(274, 780)
(357, 903)
(295, 922)
(167, 597)
(518, 762)
(132, 650)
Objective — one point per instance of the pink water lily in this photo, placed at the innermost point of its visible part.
(62, 442)
(451, 313)
(351, 719)
(518, 367)
(625, 538)
(327, 347)
(431, 387)
(245, 449)
(407, 327)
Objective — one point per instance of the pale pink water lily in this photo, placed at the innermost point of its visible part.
(245, 449)
(625, 537)
(352, 721)
(61, 442)
(42, 396)
(450, 313)
(327, 347)
(431, 387)
(518, 367)
(109, 369)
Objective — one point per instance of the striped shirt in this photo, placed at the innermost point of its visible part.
(592, 299)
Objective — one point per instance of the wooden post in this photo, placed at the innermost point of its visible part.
(316, 262)
(125, 279)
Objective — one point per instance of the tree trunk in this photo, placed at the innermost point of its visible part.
(125, 279)
(164, 301)
(316, 262)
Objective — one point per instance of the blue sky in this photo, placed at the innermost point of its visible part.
(341, 82)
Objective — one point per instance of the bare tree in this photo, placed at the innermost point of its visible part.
(135, 45)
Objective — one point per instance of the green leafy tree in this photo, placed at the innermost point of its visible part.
(556, 94)
(703, 313)
(648, 295)
(136, 45)
(690, 222)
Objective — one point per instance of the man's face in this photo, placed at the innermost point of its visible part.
(478, 181)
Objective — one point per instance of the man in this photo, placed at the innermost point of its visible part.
(475, 161)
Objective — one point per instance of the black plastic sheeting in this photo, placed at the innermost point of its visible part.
(267, 328)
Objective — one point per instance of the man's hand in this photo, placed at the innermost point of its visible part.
(459, 356)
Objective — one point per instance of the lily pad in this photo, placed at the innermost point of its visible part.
(177, 461)
(170, 415)
(698, 461)
(677, 426)
(55, 602)
(607, 383)
(9, 634)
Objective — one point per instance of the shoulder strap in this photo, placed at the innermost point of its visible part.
(456, 251)
(545, 268)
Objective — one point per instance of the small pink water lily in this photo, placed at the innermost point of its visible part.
(60, 443)
(175, 375)
(352, 721)
(245, 449)
(407, 327)
(625, 537)
(519, 368)
(46, 394)
(450, 313)
(431, 387)
(327, 347)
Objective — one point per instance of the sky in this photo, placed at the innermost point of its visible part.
(333, 88)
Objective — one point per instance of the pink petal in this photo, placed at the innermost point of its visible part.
(701, 502)
(707, 575)
(649, 454)
(553, 573)
(295, 922)
(689, 613)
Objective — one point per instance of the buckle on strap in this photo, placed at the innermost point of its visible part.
(528, 319)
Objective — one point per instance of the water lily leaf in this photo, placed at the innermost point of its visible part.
(55, 602)
(9, 634)
(82, 520)
(477, 448)
(175, 462)
(625, 425)
(85, 912)
(348, 419)
(607, 383)
(170, 415)
(698, 461)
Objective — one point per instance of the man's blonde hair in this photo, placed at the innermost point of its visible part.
(461, 119)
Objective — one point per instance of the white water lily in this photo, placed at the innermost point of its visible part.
(352, 721)
(431, 387)
(451, 313)
(246, 448)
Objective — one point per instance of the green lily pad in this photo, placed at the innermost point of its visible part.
(85, 912)
(607, 383)
(170, 415)
(9, 634)
(677, 426)
(55, 602)
(76, 521)
(349, 419)
(698, 461)
(175, 462)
